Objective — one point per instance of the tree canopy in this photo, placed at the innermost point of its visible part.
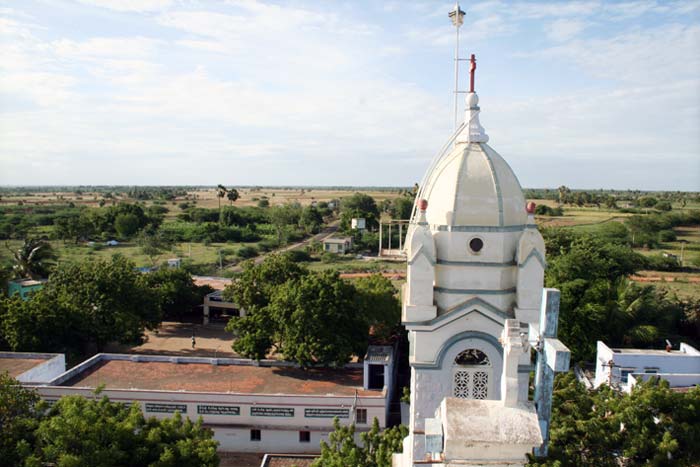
(598, 302)
(82, 306)
(375, 450)
(311, 317)
(81, 432)
(652, 426)
(359, 205)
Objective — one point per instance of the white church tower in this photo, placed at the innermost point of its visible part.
(473, 308)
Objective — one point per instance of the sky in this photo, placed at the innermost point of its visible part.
(588, 94)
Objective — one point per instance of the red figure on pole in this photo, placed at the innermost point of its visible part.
(472, 69)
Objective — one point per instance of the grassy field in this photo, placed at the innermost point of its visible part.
(198, 254)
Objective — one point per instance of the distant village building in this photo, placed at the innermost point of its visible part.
(624, 368)
(358, 223)
(339, 245)
(260, 407)
(174, 263)
(475, 308)
(24, 287)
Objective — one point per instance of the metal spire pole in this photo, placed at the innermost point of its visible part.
(457, 17)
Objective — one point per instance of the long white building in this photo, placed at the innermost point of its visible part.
(252, 407)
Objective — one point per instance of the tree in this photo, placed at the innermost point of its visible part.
(311, 219)
(374, 451)
(33, 259)
(317, 321)
(252, 292)
(82, 306)
(177, 292)
(81, 432)
(18, 421)
(359, 205)
(283, 216)
(232, 195)
(311, 317)
(153, 244)
(376, 298)
(401, 207)
(220, 193)
(126, 224)
(652, 426)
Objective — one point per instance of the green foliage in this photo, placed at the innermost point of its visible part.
(33, 259)
(82, 305)
(653, 426)
(291, 309)
(375, 449)
(317, 321)
(359, 205)
(377, 297)
(246, 252)
(663, 206)
(597, 300)
(177, 292)
(18, 420)
(153, 244)
(311, 220)
(81, 432)
(544, 210)
(401, 207)
(647, 201)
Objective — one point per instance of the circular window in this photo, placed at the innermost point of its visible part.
(476, 244)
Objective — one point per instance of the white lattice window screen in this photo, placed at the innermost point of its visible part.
(471, 381)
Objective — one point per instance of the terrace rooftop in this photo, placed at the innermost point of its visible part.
(17, 366)
(203, 376)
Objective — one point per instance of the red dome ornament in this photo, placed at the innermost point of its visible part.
(423, 204)
(530, 208)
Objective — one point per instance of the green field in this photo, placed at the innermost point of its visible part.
(197, 254)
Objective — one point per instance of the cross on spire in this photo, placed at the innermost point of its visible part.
(472, 70)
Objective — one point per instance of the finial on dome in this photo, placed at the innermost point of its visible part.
(472, 72)
(423, 204)
(473, 132)
(530, 208)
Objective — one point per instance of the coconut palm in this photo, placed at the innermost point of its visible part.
(34, 258)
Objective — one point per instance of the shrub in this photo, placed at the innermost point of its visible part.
(247, 252)
(667, 236)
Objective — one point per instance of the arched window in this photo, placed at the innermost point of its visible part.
(471, 375)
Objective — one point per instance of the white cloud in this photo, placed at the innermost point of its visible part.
(133, 6)
(564, 29)
(649, 56)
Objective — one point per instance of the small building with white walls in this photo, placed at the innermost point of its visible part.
(624, 368)
(32, 367)
(259, 407)
(339, 245)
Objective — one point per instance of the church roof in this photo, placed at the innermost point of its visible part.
(474, 186)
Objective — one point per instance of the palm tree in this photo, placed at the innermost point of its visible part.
(34, 258)
(220, 193)
(232, 195)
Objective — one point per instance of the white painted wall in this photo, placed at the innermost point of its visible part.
(685, 361)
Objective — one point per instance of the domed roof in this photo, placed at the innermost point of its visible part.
(474, 186)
